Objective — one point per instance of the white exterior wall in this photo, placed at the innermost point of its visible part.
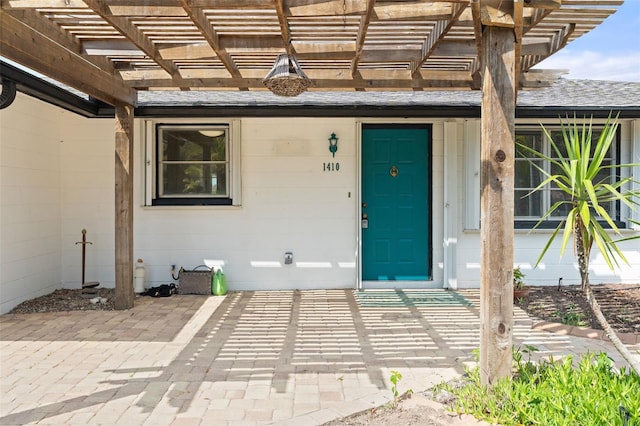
(58, 178)
(529, 244)
(87, 201)
(288, 204)
(30, 194)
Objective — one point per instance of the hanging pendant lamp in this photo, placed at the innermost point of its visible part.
(286, 78)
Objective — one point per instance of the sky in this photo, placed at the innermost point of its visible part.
(609, 52)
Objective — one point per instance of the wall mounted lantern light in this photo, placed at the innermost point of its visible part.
(333, 144)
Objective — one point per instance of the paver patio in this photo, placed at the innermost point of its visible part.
(281, 357)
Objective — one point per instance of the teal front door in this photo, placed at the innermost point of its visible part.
(395, 203)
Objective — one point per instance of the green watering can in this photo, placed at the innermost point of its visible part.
(218, 284)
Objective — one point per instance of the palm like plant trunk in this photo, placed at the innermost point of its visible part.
(583, 249)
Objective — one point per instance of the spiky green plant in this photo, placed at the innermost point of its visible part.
(579, 174)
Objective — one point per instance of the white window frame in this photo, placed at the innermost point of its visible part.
(546, 192)
(628, 150)
(151, 161)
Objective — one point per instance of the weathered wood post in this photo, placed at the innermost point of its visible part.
(497, 176)
(124, 206)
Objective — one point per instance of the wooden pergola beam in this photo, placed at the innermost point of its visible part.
(33, 4)
(24, 45)
(454, 81)
(200, 20)
(324, 7)
(499, 88)
(329, 80)
(344, 50)
(124, 206)
(284, 27)
(496, 13)
(352, 36)
(124, 27)
(51, 31)
(477, 33)
(362, 36)
(414, 10)
(559, 41)
(439, 30)
(517, 32)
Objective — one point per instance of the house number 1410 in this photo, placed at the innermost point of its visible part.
(330, 167)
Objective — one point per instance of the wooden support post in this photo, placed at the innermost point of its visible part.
(124, 206)
(497, 176)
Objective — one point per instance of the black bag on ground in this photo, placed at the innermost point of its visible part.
(163, 290)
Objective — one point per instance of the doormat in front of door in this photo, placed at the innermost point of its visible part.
(418, 298)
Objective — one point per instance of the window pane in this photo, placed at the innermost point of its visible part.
(526, 206)
(606, 175)
(193, 161)
(559, 195)
(530, 139)
(554, 169)
(527, 175)
(193, 145)
(559, 141)
(194, 179)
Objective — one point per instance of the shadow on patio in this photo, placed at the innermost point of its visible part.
(257, 357)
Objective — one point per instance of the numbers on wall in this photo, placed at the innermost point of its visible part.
(331, 167)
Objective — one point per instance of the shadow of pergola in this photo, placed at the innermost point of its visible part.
(274, 345)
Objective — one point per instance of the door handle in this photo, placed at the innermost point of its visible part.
(365, 221)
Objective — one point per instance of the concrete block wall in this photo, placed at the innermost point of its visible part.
(87, 162)
(30, 200)
(289, 203)
(57, 177)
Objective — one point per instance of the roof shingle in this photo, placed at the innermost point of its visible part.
(562, 94)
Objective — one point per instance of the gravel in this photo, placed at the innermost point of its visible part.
(68, 300)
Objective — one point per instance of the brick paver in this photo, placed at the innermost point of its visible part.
(251, 358)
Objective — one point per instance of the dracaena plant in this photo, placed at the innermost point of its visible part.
(577, 169)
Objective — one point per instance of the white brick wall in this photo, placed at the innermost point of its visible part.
(30, 194)
(87, 162)
(289, 204)
(57, 177)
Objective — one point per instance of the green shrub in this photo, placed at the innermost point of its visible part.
(572, 316)
(555, 393)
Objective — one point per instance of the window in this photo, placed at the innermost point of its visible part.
(527, 177)
(193, 164)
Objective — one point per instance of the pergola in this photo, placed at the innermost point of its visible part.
(110, 49)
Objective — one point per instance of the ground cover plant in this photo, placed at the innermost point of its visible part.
(553, 392)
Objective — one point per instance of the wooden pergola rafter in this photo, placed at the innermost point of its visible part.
(132, 33)
(197, 15)
(110, 49)
(340, 44)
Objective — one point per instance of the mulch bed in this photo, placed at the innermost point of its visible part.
(620, 305)
(68, 300)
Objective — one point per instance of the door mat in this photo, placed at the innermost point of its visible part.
(418, 298)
